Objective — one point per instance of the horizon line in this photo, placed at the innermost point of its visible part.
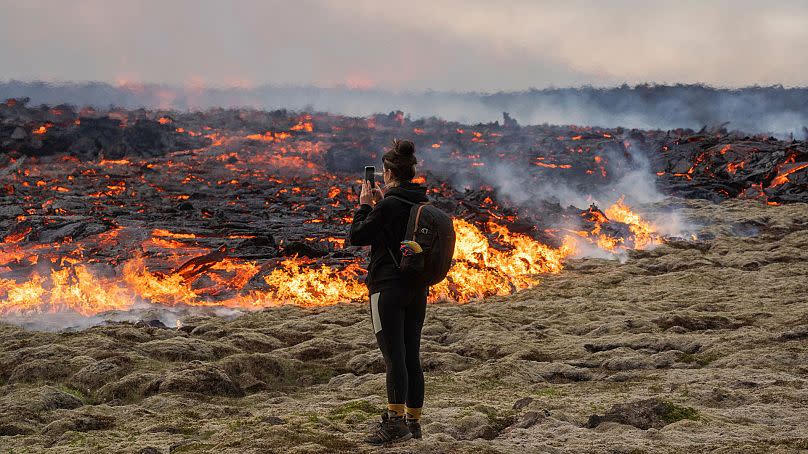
(197, 86)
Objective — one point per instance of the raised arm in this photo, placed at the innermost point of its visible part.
(368, 222)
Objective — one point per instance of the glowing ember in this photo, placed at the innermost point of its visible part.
(644, 234)
(641, 234)
(782, 177)
(41, 130)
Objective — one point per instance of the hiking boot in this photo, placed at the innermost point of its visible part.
(390, 430)
(415, 428)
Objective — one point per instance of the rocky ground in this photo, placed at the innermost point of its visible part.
(695, 346)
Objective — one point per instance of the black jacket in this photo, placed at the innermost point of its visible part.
(384, 226)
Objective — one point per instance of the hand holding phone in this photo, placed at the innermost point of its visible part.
(370, 175)
(371, 189)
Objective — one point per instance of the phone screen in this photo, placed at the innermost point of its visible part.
(370, 174)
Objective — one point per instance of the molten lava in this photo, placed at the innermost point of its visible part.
(134, 245)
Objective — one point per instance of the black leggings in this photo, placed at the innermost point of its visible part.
(398, 316)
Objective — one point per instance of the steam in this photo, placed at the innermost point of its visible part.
(531, 188)
(170, 317)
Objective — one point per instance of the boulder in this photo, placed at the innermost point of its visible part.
(200, 378)
(644, 414)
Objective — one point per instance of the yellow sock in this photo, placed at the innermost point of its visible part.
(396, 410)
(413, 414)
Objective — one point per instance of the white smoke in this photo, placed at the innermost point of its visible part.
(169, 316)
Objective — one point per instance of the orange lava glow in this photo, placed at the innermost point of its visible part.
(41, 130)
(782, 177)
(642, 233)
(142, 263)
(481, 269)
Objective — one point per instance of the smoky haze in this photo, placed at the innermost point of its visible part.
(463, 60)
(450, 45)
(776, 110)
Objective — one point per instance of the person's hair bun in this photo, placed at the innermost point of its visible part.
(405, 147)
(400, 159)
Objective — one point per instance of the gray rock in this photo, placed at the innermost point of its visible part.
(132, 386)
(522, 403)
(79, 423)
(18, 134)
(370, 362)
(187, 349)
(528, 419)
(643, 414)
(200, 378)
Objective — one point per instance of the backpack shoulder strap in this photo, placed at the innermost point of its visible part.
(402, 199)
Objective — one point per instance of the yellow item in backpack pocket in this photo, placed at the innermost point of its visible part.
(410, 247)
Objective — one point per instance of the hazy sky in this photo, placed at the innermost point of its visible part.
(444, 45)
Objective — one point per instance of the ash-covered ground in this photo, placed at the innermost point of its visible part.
(694, 346)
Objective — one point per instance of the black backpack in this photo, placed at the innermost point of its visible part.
(434, 231)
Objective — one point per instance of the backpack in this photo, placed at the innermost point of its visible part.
(433, 230)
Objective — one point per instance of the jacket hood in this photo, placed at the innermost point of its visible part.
(410, 191)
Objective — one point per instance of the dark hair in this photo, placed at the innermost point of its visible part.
(400, 159)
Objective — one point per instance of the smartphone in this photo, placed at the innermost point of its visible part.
(370, 175)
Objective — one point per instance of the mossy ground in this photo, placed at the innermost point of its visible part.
(512, 374)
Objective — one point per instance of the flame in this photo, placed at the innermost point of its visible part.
(42, 129)
(176, 268)
(21, 297)
(480, 270)
(493, 261)
(303, 125)
(643, 234)
(295, 283)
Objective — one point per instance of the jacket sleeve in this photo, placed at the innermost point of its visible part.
(368, 223)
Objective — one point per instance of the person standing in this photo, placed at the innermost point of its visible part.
(397, 305)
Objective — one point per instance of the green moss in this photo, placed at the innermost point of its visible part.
(675, 413)
(194, 447)
(365, 408)
(294, 435)
(235, 425)
(548, 392)
(498, 421)
(701, 360)
(88, 400)
(76, 438)
(490, 384)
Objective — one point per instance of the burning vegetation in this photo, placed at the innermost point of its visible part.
(248, 209)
